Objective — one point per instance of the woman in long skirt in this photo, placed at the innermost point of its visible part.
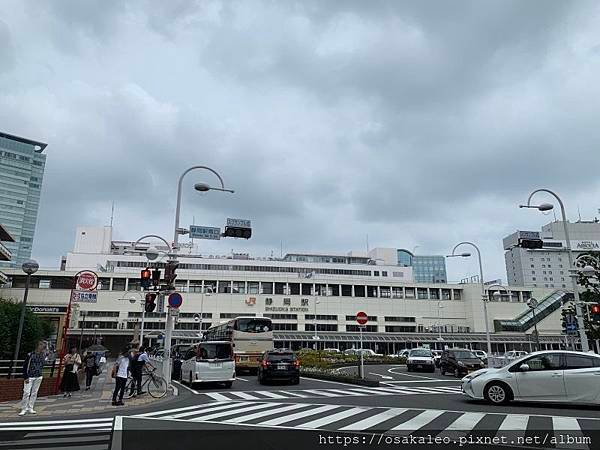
(69, 382)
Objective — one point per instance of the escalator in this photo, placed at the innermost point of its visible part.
(524, 321)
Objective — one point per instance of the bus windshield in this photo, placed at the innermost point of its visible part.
(254, 325)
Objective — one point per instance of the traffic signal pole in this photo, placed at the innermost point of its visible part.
(173, 258)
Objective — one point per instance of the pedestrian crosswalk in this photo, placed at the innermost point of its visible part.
(452, 425)
(316, 393)
(84, 434)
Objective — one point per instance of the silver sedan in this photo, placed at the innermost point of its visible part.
(546, 376)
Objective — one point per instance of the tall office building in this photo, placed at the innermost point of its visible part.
(21, 172)
(548, 267)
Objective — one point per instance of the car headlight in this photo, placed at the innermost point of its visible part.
(461, 364)
(472, 376)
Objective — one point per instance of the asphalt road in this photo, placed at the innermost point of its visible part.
(421, 404)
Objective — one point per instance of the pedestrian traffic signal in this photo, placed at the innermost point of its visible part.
(170, 274)
(156, 277)
(594, 313)
(150, 304)
(145, 278)
(531, 243)
(238, 232)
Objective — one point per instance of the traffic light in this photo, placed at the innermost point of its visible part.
(238, 232)
(150, 304)
(145, 278)
(170, 274)
(594, 313)
(156, 277)
(531, 243)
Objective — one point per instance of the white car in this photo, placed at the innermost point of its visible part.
(514, 354)
(367, 352)
(420, 358)
(209, 362)
(331, 350)
(546, 376)
(480, 354)
(401, 354)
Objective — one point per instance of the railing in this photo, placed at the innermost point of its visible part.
(50, 367)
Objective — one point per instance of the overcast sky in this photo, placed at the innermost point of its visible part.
(416, 123)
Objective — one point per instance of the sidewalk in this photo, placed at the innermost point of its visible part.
(97, 399)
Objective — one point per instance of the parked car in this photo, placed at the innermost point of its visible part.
(367, 353)
(546, 376)
(279, 365)
(207, 362)
(481, 355)
(331, 350)
(459, 361)
(401, 353)
(420, 359)
(437, 355)
(514, 354)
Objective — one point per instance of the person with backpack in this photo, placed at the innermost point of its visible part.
(120, 372)
(32, 377)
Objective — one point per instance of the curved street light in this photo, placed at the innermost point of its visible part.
(29, 267)
(483, 295)
(200, 187)
(547, 207)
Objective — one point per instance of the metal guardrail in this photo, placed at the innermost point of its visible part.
(50, 367)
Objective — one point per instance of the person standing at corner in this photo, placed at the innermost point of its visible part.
(119, 373)
(91, 369)
(69, 382)
(32, 377)
(139, 362)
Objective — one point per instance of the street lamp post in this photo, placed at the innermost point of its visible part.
(533, 303)
(82, 313)
(440, 306)
(210, 291)
(29, 267)
(481, 282)
(95, 330)
(201, 187)
(547, 207)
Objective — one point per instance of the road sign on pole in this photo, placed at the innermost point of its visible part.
(362, 318)
(200, 232)
(175, 300)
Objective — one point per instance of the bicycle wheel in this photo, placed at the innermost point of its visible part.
(157, 386)
(128, 392)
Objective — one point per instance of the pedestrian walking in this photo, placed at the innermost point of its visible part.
(32, 377)
(91, 369)
(119, 373)
(69, 382)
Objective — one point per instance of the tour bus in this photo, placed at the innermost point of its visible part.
(250, 337)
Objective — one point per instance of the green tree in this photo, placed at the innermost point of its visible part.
(34, 329)
(591, 292)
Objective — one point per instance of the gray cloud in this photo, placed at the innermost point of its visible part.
(417, 123)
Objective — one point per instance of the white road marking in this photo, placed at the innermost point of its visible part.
(241, 379)
(466, 422)
(369, 422)
(403, 374)
(418, 421)
(385, 377)
(333, 418)
(243, 395)
(321, 393)
(269, 412)
(232, 412)
(300, 415)
(210, 407)
(270, 394)
(218, 397)
(570, 425)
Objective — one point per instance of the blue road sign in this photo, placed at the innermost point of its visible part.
(200, 232)
(175, 300)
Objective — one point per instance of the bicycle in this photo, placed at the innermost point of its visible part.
(155, 386)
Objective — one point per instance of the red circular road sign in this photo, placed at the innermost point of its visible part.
(86, 280)
(361, 317)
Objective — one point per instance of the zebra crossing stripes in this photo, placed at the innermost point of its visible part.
(318, 416)
(312, 393)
